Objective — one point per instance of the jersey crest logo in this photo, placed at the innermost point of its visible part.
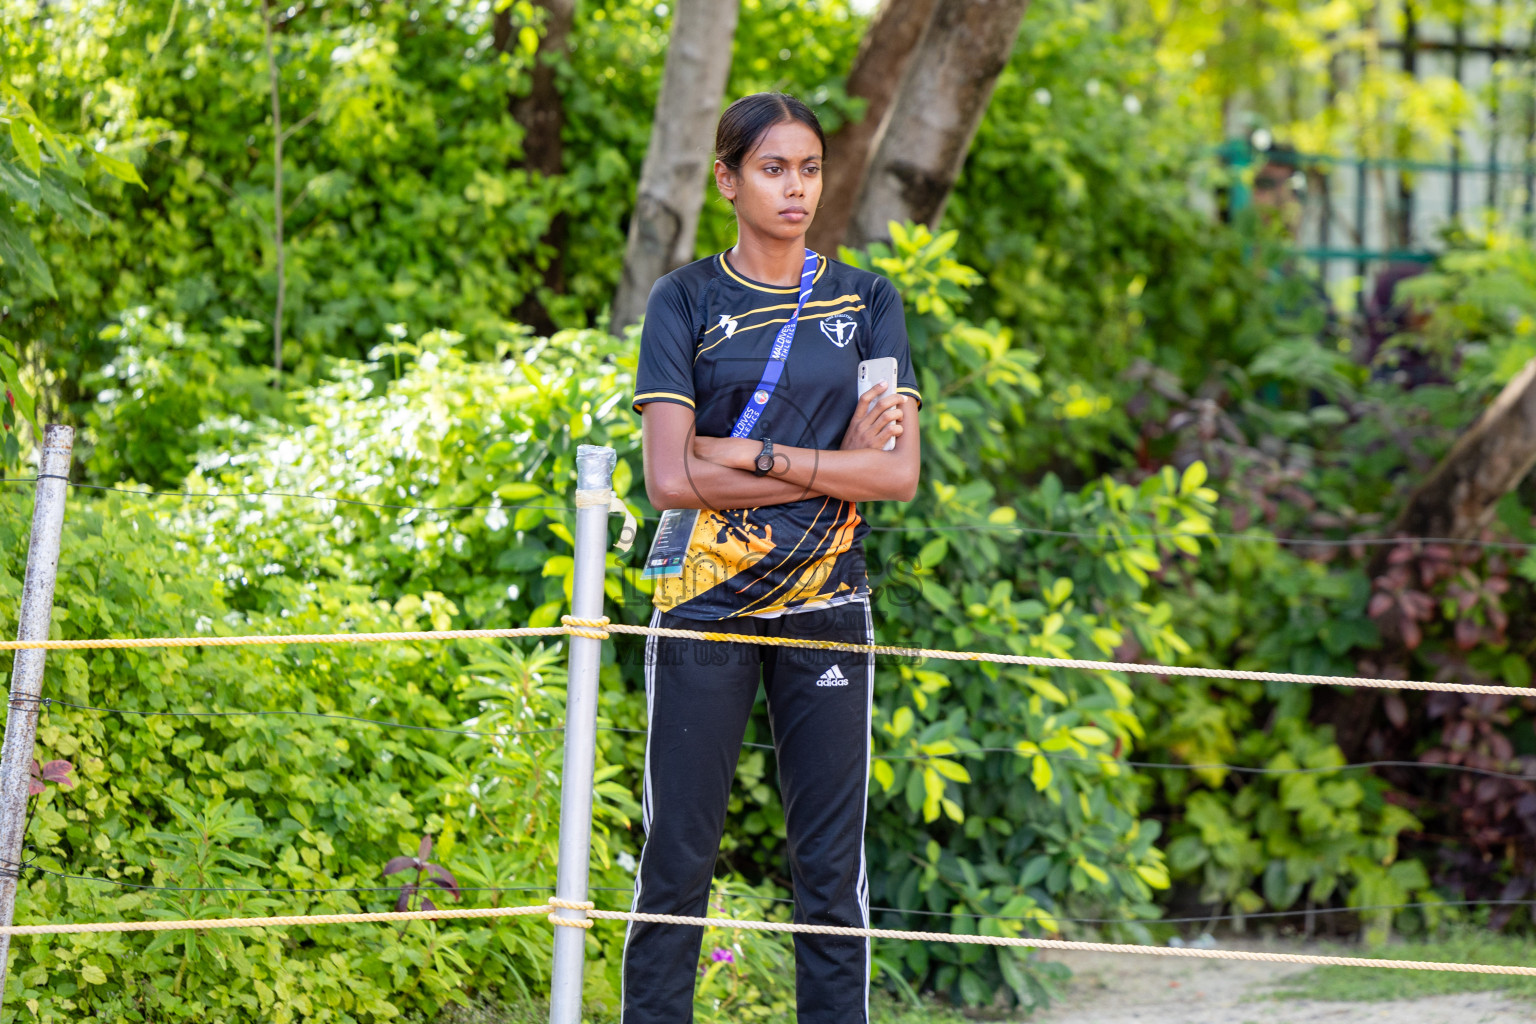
(728, 323)
(839, 329)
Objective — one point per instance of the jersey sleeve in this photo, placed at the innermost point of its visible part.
(665, 372)
(888, 336)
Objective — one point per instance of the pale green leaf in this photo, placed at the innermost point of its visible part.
(27, 150)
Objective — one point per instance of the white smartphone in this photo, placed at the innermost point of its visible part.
(872, 372)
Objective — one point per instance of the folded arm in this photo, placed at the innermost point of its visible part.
(677, 477)
(687, 471)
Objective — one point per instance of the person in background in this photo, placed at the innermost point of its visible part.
(1389, 317)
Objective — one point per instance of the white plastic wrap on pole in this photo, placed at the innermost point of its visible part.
(594, 485)
(34, 619)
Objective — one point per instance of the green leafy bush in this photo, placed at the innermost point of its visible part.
(286, 801)
(1001, 790)
(407, 199)
(1481, 301)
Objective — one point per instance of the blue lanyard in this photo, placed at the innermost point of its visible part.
(776, 358)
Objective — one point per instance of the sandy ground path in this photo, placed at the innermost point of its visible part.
(1120, 989)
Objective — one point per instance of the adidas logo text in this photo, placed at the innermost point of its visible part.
(832, 677)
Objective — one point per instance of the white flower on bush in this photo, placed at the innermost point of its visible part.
(1132, 105)
(1092, 87)
(495, 519)
(1043, 97)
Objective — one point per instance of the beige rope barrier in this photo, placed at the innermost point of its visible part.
(549, 911)
(571, 922)
(302, 920)
(447, 914)
(104, 643)
(1093, 666)
(601, 629)
(1061, 944)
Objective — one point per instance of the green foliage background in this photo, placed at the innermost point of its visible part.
(1128, 415)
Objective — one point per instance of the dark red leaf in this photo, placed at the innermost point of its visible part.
(1417, 604)
(404, 902)
(1380, 602)
(35, 787)
(427, 904)
(1397, 710)
(426, 849)
(58, 771)
(399, 864)
(441, 877)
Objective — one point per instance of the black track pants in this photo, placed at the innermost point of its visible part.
(699, 695)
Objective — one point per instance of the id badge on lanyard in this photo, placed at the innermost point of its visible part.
(670, 548)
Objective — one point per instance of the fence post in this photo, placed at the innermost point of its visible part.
(27, 676)
(594, 486)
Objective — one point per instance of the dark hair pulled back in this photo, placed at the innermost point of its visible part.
(746, 121)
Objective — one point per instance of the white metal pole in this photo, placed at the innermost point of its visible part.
(27, 676)
(594, 487)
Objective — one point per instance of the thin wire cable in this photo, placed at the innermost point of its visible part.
(1212, 918)
(251, 495)
(45, 701)
(1371, 540)
(1240, 769)
(274, 889)
(1070, 758)
(1338, 542)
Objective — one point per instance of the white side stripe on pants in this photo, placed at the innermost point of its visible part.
(645, 795)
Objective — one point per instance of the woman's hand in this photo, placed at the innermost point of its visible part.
(871, 428)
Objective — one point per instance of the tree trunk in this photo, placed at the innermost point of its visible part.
(673, 178)
(1455, 502)
(1459, 498)
(275, 80)
(875, 76)
(935, 115)
(542, 116)
(541, 112)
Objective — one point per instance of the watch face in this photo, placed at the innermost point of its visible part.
(765, 462)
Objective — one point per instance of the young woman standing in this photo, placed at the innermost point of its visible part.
(757, 446)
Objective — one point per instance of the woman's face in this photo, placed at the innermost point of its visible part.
(779, 184)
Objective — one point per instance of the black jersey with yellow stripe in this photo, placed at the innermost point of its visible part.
(706, 339)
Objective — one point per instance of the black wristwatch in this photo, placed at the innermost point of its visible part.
(763, 464)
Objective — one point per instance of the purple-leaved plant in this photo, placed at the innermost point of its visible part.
(427, 873)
